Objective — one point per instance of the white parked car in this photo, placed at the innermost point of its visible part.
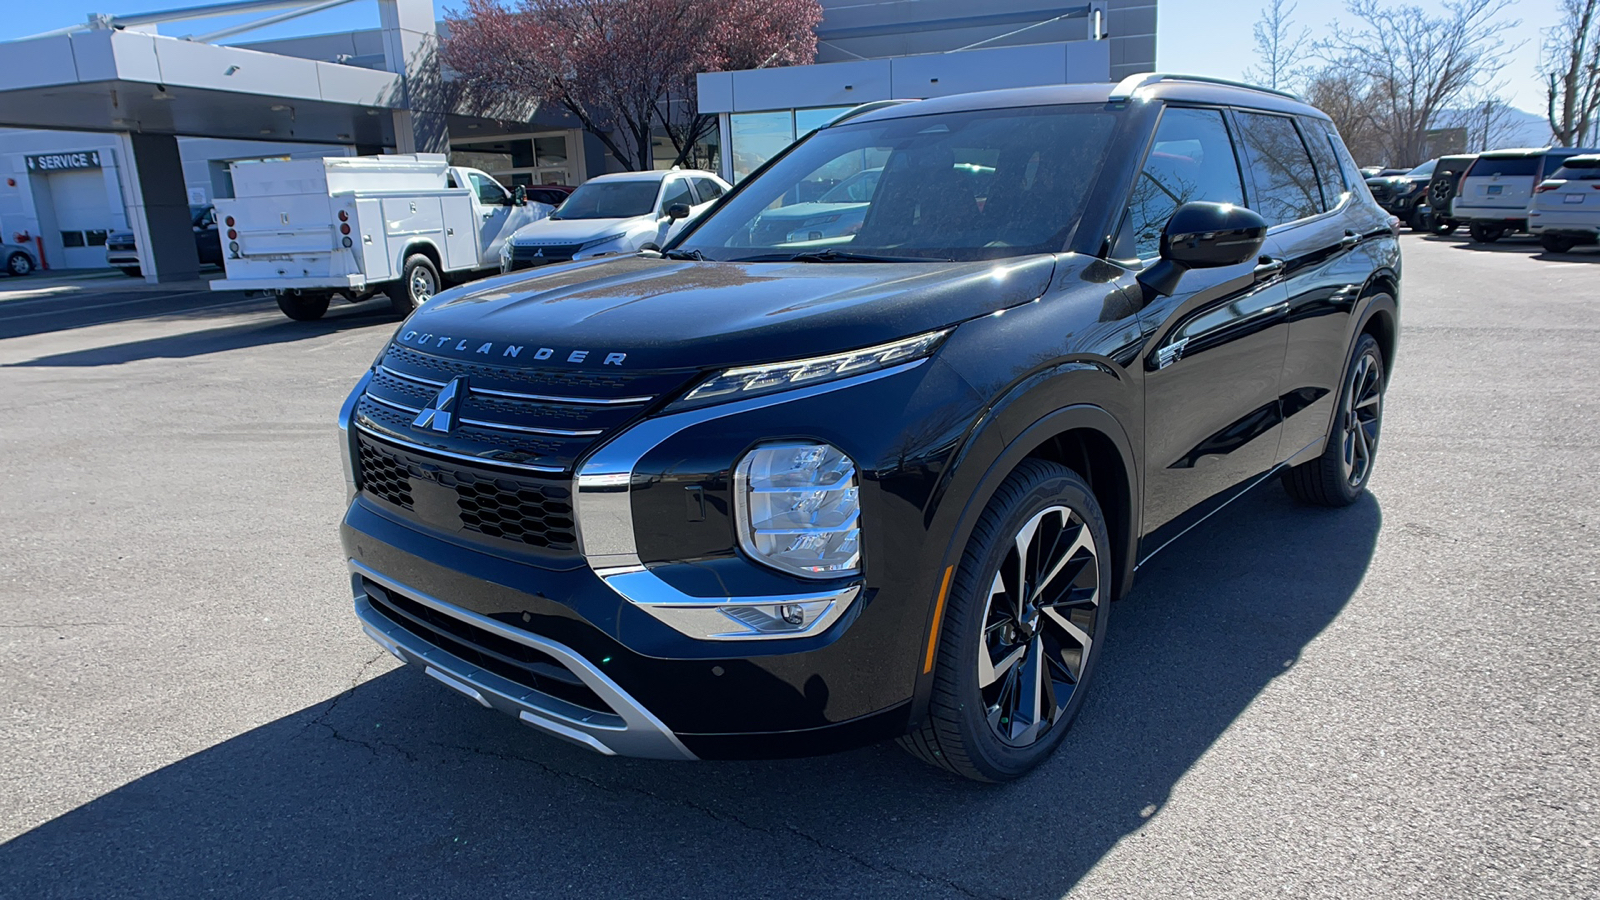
(1495, 193)
(1566, 206)
(614, 214)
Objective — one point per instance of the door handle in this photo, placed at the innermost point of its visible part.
(1268, 267)
(1349, 240)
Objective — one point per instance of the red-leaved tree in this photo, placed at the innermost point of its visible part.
(622, 67)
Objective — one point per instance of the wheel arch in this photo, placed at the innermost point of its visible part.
(426, 248)
(1380, 314)
(1083, 436)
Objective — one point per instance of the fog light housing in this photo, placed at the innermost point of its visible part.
(798, 509)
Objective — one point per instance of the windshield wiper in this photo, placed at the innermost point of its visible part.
(695, 255)
(834, 255)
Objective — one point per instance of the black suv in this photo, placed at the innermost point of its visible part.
(1405, 195)
(749, 496)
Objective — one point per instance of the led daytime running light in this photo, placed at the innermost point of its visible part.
(746, 381)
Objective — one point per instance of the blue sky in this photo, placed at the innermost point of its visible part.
(1200, 37)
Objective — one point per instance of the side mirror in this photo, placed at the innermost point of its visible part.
(1204, 236)
(678, 211)
(519, 196)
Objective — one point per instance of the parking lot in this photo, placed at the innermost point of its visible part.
(1395, 699)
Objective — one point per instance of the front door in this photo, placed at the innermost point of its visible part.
(496, 221)
(1214, 354)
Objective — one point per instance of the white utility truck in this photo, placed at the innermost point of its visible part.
(307, 229)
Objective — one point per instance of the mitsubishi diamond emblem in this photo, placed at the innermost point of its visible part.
(539, 252)
(439, 414)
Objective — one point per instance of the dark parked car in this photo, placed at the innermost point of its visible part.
(1442, 188)
(735, 499)
(1404, 195)
(122, 253)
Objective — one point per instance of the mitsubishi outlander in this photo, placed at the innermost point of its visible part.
(769, 493)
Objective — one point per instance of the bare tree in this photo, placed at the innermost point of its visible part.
(1282, 48)
(1414, 66)
(1570, 64)
(1348, 100)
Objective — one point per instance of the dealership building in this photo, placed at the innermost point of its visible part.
(125, 122)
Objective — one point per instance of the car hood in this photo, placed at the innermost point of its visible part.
(574, 231)
(667, 314)
(807, 210)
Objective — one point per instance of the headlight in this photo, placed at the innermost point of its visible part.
(751, 381)
(798, 508)
(602, 240)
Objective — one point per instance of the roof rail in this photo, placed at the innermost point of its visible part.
(1128, 86)
(863, 109)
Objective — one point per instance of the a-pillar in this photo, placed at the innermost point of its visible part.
(411, 50)
(158, 206)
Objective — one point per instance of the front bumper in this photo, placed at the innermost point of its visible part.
(848, 682)
(626, 728)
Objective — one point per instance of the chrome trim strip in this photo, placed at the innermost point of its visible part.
(480, 460)
(603, 511)
(700, 617)
(547, 398)
(557, 432)
(393, 405)
(427, 381)
(642, 734)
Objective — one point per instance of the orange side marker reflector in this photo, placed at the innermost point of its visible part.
(938, 616)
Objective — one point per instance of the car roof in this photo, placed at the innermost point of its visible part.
(656, 175)
(1517, 152)
(1150, 86)
(1583, 159)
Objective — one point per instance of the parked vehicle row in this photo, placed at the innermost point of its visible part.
(122, 250)
(1544, 191)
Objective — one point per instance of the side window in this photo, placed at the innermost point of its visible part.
(487, 189)
(1329, 173)
(1285, 180)
(707, 189)
(677, 191)
(1191, 159)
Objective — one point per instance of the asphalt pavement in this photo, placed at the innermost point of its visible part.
(1396, 699)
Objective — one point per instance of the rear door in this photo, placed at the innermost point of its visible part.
(1214, 357)
(1499, 183)
(1313, 235)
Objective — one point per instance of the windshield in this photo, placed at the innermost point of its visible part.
(1424, 170)
(969, 185)
(610, 200)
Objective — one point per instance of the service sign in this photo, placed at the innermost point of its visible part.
(63, 162)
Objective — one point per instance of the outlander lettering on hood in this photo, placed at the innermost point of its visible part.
(507, 350)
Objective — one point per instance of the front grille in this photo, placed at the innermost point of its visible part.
(1381, 192)
(489, 651)
(540, 254)
(526, 509)
(537, 417)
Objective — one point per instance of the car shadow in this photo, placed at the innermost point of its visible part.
(401, 788)
(274, 330)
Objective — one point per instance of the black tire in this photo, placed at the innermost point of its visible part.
(1333, 478)
(19, 263)
(1418, 220)
(304, 307)
(1556, 243)
(419, 281)
(961, 731)
(1444, 227)
(132, 271)
(1486, 234)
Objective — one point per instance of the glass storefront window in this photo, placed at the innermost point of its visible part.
(758, 137)
(808, 120)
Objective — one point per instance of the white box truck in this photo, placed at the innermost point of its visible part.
(405, 225)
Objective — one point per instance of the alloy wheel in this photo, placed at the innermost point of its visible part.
(1363, 417)
(1038, 624)
(20, 265)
